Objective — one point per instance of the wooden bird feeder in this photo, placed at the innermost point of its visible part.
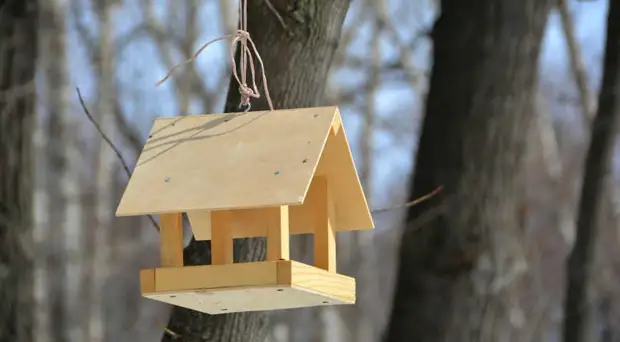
(270, 173)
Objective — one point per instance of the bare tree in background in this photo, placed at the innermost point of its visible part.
(461, 259)
(106, 165)
(297, 53)
(379, 93)
(579, 304)
(18, 53)
(58, 165)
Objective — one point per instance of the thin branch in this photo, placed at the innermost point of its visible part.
(105, 137)
(109, 142)
(410, 203)
(129, 133)
(278, 16)
(162, 37)
(580, 268)
(168, 330)
(578, 69)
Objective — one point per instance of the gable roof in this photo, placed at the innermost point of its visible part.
(244, 160)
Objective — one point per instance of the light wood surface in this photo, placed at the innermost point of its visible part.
(278, 247)
(200, 222)
(147, 280)
(251, 223)
(324, 235)
(227, 161)
(222, 241)
(171, 239)
(255, 286)
(336, 164)
(197, 164)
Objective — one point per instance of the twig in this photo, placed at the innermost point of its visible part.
(103, 135)
(410, 203)
(110, 143)
(580, 75)
(581, 265)
(167, 330)
(278, 16)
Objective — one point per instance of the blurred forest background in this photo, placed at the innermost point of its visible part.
(86, 262)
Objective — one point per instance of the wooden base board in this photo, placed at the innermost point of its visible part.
(253, 286)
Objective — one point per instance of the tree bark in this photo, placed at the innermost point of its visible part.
(579, 304)
(461, 258)
(106, 166)
(56, 171)
(297, 59)
(18, 52)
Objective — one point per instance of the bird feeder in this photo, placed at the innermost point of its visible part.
(255, 174)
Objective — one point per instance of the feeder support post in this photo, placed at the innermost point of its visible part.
(278, 232)
(221, 237)
(324, 234)
(171, 240)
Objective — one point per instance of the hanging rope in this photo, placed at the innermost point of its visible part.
(241, 37)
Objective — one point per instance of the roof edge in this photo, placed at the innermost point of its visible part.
(336, 125)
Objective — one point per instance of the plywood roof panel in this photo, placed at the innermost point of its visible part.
(228, 161)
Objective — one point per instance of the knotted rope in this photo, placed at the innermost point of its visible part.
(241, 36)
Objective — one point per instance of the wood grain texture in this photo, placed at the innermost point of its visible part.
(230, 161)
(171, 240)
(192, 278)
(296, 63)
(147, 281)
(278, 247)
(353, 213)
(324, 234)
(256, 286)
(478, 109)
(255, 160)
(222, 242)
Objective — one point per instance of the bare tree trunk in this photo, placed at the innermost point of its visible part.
(41, 230)
(58, 174)
(579, 307)
(362, 329)
(70, 179)
(18, 53)
(297, 59)
(105, 174)
(461, 258)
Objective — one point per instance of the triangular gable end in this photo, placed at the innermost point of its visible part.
(337, 165)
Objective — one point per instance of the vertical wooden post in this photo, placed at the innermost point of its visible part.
(324, 234)
(221, 238)
(278, 233)
(171, 240)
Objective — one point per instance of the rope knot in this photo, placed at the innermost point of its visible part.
(241, 36)
(247, 94)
